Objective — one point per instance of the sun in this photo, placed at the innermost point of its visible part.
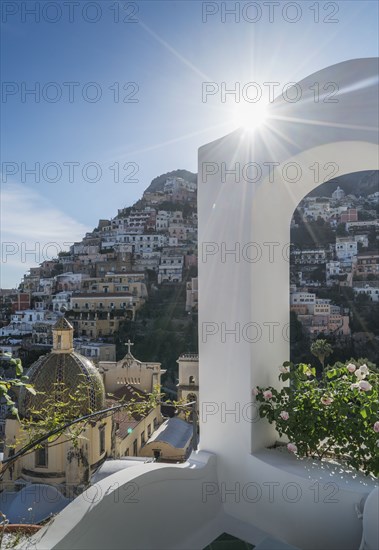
(251, 116)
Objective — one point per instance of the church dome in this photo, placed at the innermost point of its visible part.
(63, 366)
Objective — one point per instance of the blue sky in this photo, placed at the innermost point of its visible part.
(167, 55)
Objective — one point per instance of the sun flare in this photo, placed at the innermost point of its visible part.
(251, 116)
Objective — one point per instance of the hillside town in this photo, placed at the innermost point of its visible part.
(62, 322)
(335, 267)
(104, 279)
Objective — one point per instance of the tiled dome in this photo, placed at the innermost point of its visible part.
(62, 366)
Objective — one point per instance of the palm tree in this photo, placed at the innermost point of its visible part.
(321, 349)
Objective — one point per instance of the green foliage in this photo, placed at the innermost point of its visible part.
(163, 330)
(321, 349)
(313, 234)
(337, 414)
(60, 407)
(9, 384)
(341, 231)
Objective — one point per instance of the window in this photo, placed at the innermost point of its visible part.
(127, 452)
(135, 446)
(102, 439)
(59, 341)
(155, 423)
(41, 456)
(149, 430)
(192, 380)
(143, 438)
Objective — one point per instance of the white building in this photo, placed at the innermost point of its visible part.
(146, 260)
(162, 220)
(332, 272)
(71, 281)
(170, 268)
(174, 183)
(346, 249)
(316, 256)
(374, 197)
(46, 286)
(338, 194)
(83, 248)
(299, 298)
(362, 225)
(96, 351)
(61, 300)
(147, 242)
(317, 209)
(369, 288)
(363, 239)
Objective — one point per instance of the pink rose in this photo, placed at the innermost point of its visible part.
(267, 394)
(376, 426)
(327, 400)
(255, 391)
(351, 368)
(285, 416)
(364, 385)
(284, 369)
(292, 448)
(359, 374)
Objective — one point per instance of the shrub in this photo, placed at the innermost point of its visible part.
(338, 413)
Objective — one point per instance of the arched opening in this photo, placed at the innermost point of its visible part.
(334, 269)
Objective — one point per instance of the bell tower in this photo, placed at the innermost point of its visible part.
(63, 337)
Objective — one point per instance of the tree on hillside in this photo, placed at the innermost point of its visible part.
(321, 349)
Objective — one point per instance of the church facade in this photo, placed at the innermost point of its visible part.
(64, 377)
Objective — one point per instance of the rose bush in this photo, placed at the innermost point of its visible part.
(337, 414)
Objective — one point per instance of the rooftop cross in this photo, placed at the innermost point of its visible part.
(129, 344)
